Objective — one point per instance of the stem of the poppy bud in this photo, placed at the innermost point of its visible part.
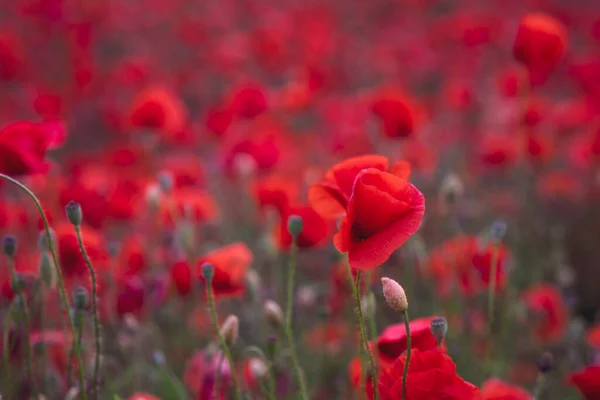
(76, 348)
(61, 284)
(6, 350)
(288, 320)
(364, 341)
(222, 341)
(26, 327)
(492, 295)
(97, 331)
(408, 351)
(539, 387)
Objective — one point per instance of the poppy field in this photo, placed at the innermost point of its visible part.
(298, 200)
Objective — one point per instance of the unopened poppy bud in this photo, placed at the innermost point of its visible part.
(9, 246)
(208, 272)
(439, 329)
(273, 313)
(80, 298)
(498, 230)
(546, 363)
(43, 240)
(295, 225)
(230, 329)
(74, 213)
(394, 295)
(19, 283)
(46, 270)
(165, 181)
(258, 367)
(368, 304)
(451, 189)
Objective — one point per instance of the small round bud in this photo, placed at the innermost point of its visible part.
(230, 329)
(208, 272)
(394, 295)
(159, 357)
(46, 270)
(498, 230)
(439, 329)
(80, 298)
(546, 363)
(295, 225)
(451, 189)
(273, 313)
(19, 283)
(74, 213)
(165, 181)
(9, 246)
(257, 367)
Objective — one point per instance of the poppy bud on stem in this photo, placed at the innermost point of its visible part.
(396, 298)
(50, 243)
(75, 216)
(208, 272)
(295, 226)
(545, 365)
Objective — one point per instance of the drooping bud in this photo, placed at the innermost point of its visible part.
(394, 295)
(439, 329)
(230, 329)
(208, 272)
(9, 246)
(46, 270)
(546, 363)
(273, 313)
(368, 304)
(295, 225)
(80, 298)
(74, 213)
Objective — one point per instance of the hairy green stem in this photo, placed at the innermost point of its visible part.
(222, 341)
(288, 321)
(61, 284)
(408, 351)
(364, 341)
(97, 331)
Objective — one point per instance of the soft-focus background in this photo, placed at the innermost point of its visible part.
(190, 130)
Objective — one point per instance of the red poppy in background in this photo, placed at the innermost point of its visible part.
(248, 101)
(157, 108)
(382, 213)
(540, 44)
(587, 381)
(181, 277)
(231, 263)
(396, 112)
(551, 312)
(431, 376)
(218, 120)
(12, 57)
(496, 389)
(316, 228)
(72, 262)
(23, 146)
(392, 342)
(330, 196)
(198, 205)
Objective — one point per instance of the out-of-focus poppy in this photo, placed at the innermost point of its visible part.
(587, 381)
(496, 389)
(551, 312)
(230, 263)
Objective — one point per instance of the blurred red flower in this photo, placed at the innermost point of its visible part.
(550, 309)
(496, 389)
(587, 381)
(231, 263)
(382, 213)
(396, 112)
(157, 108)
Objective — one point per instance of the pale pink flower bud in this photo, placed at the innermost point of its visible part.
(394, 294)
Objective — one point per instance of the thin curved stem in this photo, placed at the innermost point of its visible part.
(26, 328)
(6, 350)
(289, 333)
(408, 351)
(361, 325)
(222, 341)
(97, 331)
(61, 284)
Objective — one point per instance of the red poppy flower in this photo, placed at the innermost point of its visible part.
(131, 296)
(547, 302)
(315, 231)
(12, 58)
(231, 263)
(181, 277)
(396, 112)
(587, 381)
(218, 120)
(392, 341)
(72, 262)
(157, 108)
(540, 44)
(275, 191)
(249, 101)
(23, 146)
(330, 196)
(496, 389)
(383, 212)
(592, 336)
(431, 376)
(192, 203)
